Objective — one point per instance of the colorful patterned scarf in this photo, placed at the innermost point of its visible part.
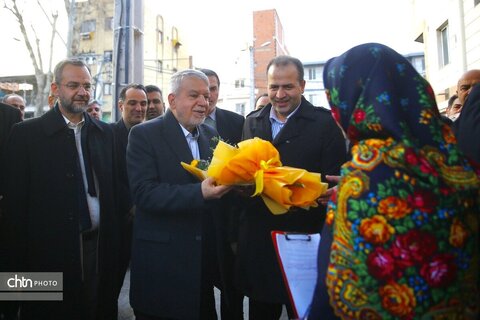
(405, 216)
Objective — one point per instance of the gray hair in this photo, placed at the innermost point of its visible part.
(178, 77)
(57, 73)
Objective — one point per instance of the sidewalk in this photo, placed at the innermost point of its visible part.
(125, 312)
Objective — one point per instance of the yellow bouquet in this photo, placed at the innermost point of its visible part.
(257, 162)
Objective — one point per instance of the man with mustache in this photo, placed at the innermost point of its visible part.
(60, 196)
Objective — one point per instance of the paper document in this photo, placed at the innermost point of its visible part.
(297, 254)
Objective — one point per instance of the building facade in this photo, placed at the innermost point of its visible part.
(164, 52)
(315, 89)
(251, 67)
(450, 33)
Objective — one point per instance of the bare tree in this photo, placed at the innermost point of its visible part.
(42, 78)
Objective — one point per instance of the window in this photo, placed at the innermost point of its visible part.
(160, 36)
(240, 83)
(419, 64)
(312, 75)
(240, 108)
(442, 34)
(109, 24)
(88, 26)
(107, 55)
(107, 89)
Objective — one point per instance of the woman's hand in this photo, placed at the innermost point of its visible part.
(323, 199)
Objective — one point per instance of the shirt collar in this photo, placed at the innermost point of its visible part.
(273, 116)
(193, 134)
(73, 125)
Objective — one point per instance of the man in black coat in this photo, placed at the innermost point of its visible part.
(174, 242)
(468, 129)
(132, 103)
(229, 126)
(8, 117)
(306, 137)
(60, 193)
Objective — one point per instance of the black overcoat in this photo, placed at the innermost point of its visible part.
(310, 140)
(42, 211)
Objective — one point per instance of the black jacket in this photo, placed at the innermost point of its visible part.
(310, 140)
(42, 214)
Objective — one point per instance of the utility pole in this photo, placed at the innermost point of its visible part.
(71, 23)
(127, 47)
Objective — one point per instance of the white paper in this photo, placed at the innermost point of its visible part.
(298, 254)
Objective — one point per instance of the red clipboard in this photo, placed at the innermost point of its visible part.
(297, 256)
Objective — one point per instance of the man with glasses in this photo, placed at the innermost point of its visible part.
(60, 202)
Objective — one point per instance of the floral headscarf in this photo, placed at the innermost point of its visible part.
(405, 216)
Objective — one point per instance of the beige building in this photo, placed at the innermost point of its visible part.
(450, 32)
(164, 51)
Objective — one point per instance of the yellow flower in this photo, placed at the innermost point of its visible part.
(394, 207)
(376, 230)
(397, 299)
(231, 166)
(257, 162)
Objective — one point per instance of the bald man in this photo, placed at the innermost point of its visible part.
(15, 101)
(465, 84)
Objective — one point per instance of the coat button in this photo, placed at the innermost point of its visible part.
(70, 175)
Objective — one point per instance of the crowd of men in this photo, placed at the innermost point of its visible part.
(89, 199)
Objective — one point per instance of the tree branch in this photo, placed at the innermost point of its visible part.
(37, 41)
(14, 10)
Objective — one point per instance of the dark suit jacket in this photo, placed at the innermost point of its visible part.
(42, 211)
(468, 126)
(120, 133)
(8, 117)
(170, 230)
(310, 140)
(229, 125)
(125, 203)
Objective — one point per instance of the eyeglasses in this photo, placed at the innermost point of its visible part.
(75, 86)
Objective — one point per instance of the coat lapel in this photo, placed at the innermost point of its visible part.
(176, 138)
(53, 121)
(206, 143)
(295, 124)
(261, 127)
